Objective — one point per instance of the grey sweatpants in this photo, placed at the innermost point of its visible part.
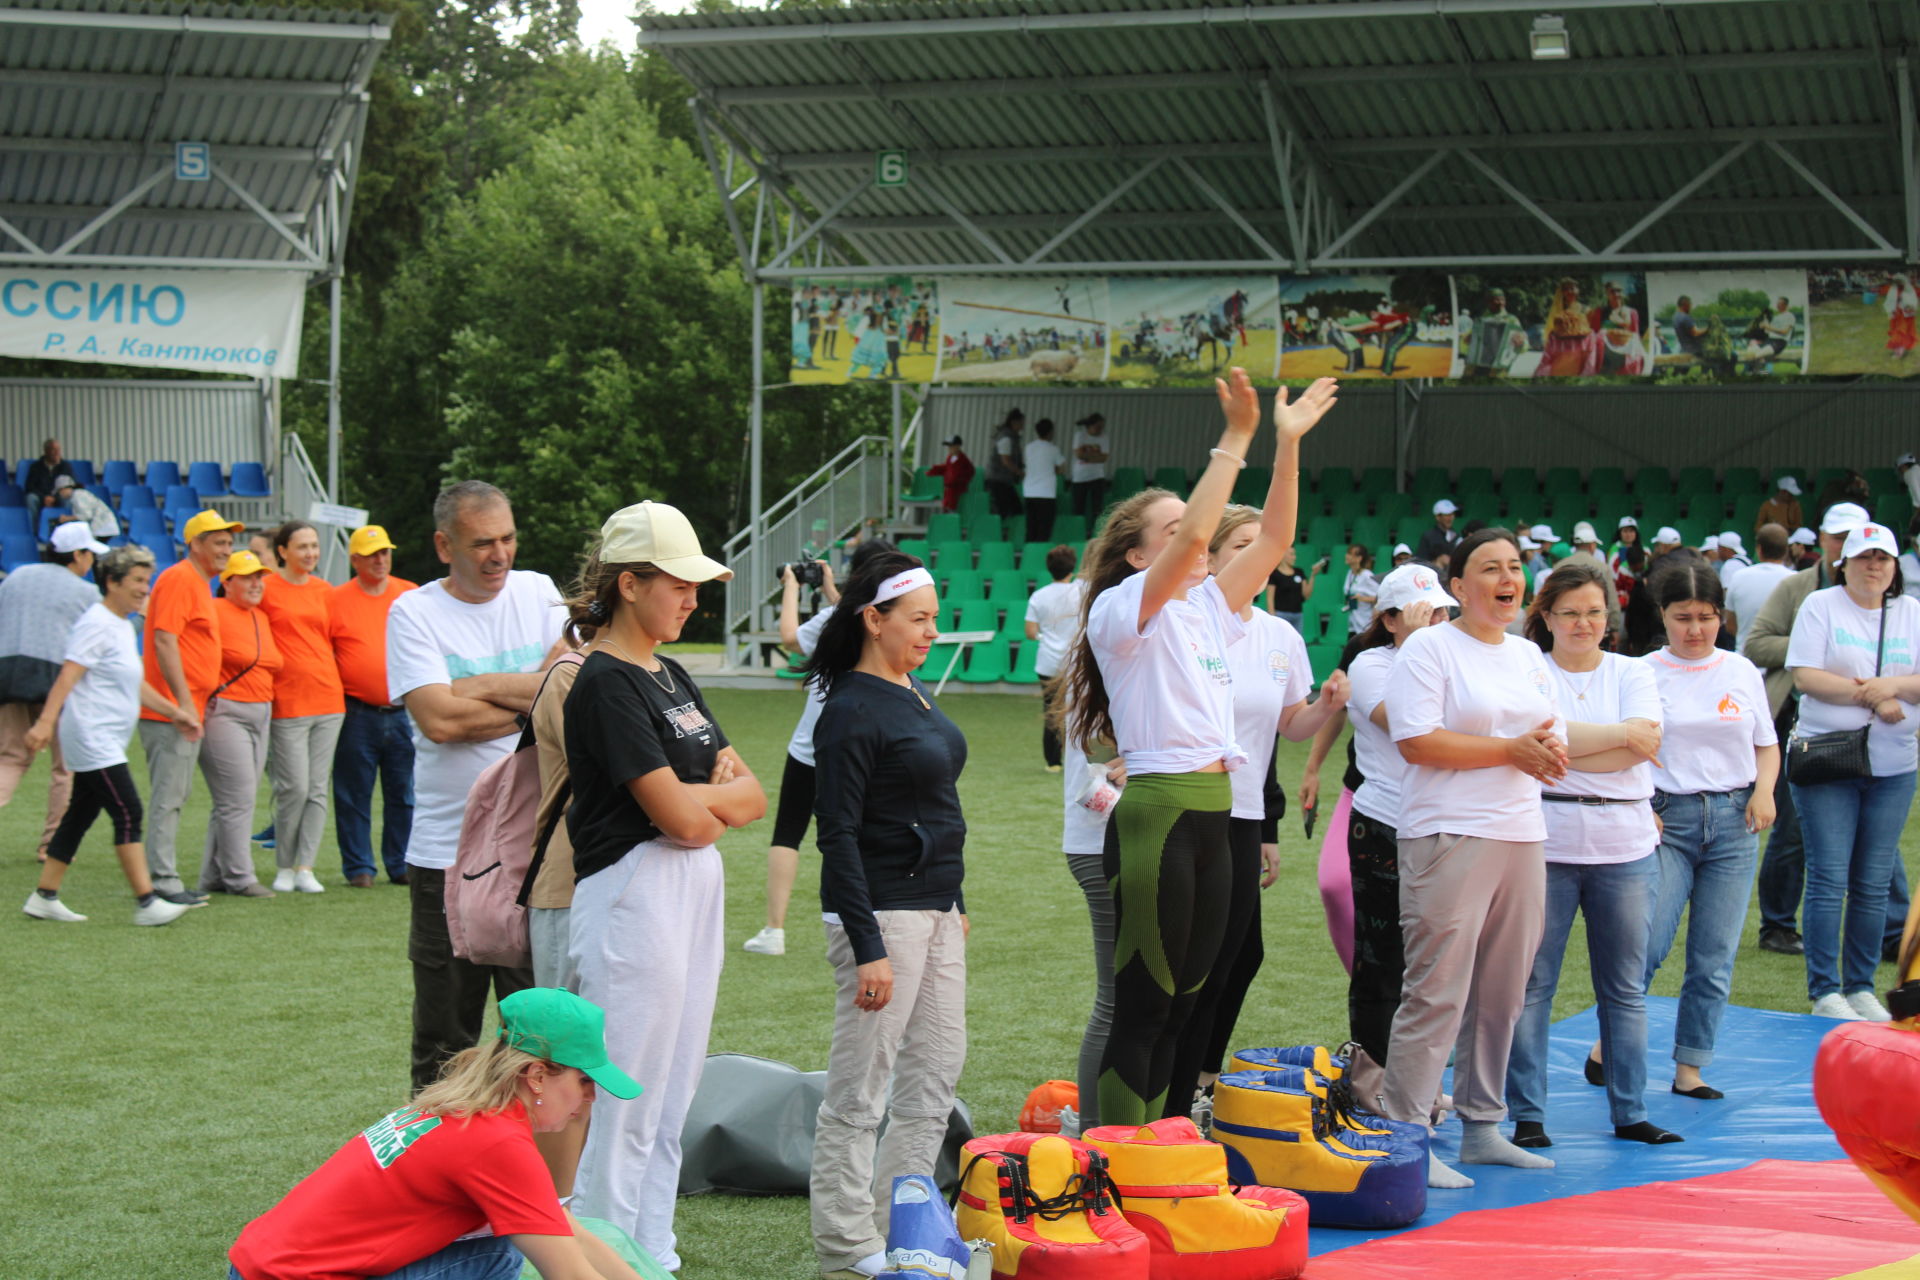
(170, 761)
(302, 770)
(232, 755)
(1472, 912)
(1090, 871)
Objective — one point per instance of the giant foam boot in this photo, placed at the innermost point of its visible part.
(1045, 1204)
(1173, 1186)
(1288, 1126)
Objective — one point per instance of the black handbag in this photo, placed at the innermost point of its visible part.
(1842, 754)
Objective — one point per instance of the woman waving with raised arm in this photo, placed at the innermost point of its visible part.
(1150, 674)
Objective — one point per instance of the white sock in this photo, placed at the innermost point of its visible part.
(872, 1265)
(1444, 1177)
(1481, 1142)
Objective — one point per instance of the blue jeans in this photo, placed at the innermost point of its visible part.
(484, 1258)
(1852, 833)
(1617, 899)
(1707, 858)
(373, 742)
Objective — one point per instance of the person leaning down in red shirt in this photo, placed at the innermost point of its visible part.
(408, 1196)
(956, 471)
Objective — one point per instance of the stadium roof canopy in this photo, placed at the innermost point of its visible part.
(95, 95)
(1103, 136)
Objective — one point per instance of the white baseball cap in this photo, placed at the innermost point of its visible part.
(1905, 459)
(75, 536)
(1789, 484)
(657, 534)
(1583, 532)
(1803, 537)
(1844, 517)
(1528, 544)
(1544, 534)
(1731, 539)
(64, 482)
(1409, 584)
(1402, 549)
(1869, 537)
(1627, 522)
(1667, 534)
(1445, 507)
(1712, 543)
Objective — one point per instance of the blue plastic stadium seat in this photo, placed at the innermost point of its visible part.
(180, 495)
(16, 550)
(162, 548)
(162, 474)
(119, 474)
(20, 471)
(249, 481)
(206, 480)
(81, 469)
(138, 495)
(47, 516)
(16, 522)
(146, 522)
(12, 495)
(178, 516)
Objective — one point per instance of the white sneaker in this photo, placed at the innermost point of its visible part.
(283, 880)
(767, 942)
(159, 911)
(53, 909)
(1868, 1006)
(1202, 1112)
(306, 882)
(1838, 1007)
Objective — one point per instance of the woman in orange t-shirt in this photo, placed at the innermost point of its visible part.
(308, 704)
(234, 751)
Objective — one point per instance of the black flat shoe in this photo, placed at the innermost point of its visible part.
(1648, 1132)
(1530, 1133)
(1596, 1074)
(1704, 1092)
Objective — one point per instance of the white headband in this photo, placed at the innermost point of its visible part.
(901, 583)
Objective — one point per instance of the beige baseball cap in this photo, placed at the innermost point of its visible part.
(657, 534)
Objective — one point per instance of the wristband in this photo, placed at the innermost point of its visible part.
(1222, 453)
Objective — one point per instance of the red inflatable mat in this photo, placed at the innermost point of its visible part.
(1773, 1220)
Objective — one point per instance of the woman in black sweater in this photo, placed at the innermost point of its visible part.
(890, 838)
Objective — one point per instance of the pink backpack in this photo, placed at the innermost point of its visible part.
(500, 852)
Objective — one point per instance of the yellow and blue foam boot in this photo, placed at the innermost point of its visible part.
(1281, 1128)
(1173, 1186)
(1046, 1205)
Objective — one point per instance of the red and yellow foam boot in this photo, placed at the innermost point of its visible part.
(1045, 1205)
(1172, 1184)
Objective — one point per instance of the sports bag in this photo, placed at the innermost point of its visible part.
(500, 850)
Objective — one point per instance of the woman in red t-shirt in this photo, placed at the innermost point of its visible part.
(406, 1198)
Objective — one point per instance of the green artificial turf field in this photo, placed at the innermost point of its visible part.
(163, 1086)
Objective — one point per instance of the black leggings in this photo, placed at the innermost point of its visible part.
(1204, 1046)
(1171, 873)
(1379, 947)
(796, 805)
(96, 791)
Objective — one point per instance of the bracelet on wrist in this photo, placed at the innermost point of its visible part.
(1222, 453)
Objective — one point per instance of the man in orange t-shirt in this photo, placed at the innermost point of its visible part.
(376, 739)
(182, 646)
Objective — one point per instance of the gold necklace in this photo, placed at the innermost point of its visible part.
(666, 688)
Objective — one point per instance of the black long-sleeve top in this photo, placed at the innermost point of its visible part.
(891, 834)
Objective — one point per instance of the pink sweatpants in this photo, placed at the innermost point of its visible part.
(1336, 880)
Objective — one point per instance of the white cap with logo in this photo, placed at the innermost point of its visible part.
(1666, 535)
(1445, 507)
(1411, 583)
(1869, 537)
(1788, 484)
(1543, 534)
(1803, 537)
(1712, 543)
(1732, 540)
(1844, 517)
(1583, 532)
(657, 534)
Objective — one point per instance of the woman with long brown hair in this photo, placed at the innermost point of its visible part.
(1150, 675)
(309, 704)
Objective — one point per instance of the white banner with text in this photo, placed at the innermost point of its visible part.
(245, 322)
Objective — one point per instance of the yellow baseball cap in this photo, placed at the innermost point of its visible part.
(365, 541)
(242, 564)
(209, 521)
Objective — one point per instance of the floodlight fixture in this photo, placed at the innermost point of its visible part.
(1549, 38)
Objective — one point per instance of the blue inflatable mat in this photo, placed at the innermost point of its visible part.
(1763, 1063)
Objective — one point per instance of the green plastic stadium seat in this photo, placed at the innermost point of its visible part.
(975, 502)
(961, 586)
(1371, 531)
(1894, 510)
(1127, 481)
(1328, 531)
(918, 548)
(984, 527)
(1521, 478)
(1377, 480)
(973, 614)
(1023, 672)
(1069, 529)
(988, 663)
(1694, 479)
(1560, 479)
(925, 488)
(1334, 480)
(1650, 482)
(1007, 588)
(1394, 506)
(995, 555)
(1033, 561)
(1614, 479)
(1708, 505)
(1409, 528)
(1476, 478)
(1746, 509)
(1171, 478)
(955, 554)
(1323, 658)
(944, 527)
(1347, 506)
(1740, 481)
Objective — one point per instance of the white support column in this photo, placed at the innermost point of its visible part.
(891, 485)
(333, 388)
(267, 216)
(1909, 159)
(14, 233)
(756, 506)
(748, 260)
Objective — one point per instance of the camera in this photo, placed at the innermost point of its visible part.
(808, 573)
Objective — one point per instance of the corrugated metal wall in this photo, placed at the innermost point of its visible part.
(140, 420)
(1839, 424)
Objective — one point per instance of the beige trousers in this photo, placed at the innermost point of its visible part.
(15, 719)
(233, 755)
(1472, 911)
(918, 1044)
(302, 767)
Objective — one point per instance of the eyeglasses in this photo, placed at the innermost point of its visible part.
(1589, 615)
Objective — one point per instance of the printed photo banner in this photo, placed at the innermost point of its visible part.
(863, 330)
(245, 322)
(1861, 320)
(1729, 323)
(1028, 330)
(1367, 326)
(1174, 332)
(1551, 326)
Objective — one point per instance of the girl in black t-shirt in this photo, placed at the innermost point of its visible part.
(654, 785)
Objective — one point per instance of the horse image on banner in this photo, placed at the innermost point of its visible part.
(1172, 331)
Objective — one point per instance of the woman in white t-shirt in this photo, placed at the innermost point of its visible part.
(1713, 794)
(93, 705)
(1053, 615)
(1272, 681)
(1853, 658)
(1474, 716)
(1083, 834)
(1361, 589)
(1040, 483)
(1601, 839)
(1411, 599)
(1150, 675)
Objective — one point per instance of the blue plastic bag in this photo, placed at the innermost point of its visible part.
(922, 1239)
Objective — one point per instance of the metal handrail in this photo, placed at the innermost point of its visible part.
(794, 496)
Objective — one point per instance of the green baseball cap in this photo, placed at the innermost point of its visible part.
(559, 1026)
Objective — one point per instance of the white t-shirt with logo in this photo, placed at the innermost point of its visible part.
(1446, 679)
(1082, 831)
(1714, 712)
(1835, 634)
(1055, 609)
(1361, 582)
(800, 745)
(1618, 689)
(1374, 754)
(1747, 592)
(99, 714)
(432, 638)
(1043, 478)
(1085, 471)
(1169, 687)
(1270, 674)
